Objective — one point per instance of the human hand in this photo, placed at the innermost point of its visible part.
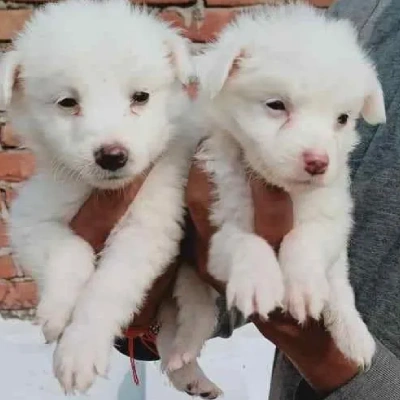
(308, 346)
(95, 220)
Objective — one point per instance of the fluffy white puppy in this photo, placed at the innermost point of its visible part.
(95, 88)
(282, 90)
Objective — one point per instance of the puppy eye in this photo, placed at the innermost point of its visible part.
(68, 102)
(276, 105)
(140, 98)
(342, 119)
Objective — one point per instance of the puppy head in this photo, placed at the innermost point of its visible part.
(289, 84)
(95, 87)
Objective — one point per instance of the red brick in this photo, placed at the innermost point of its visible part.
(11, 21)
(16, 166)
(7, 268)
(200, 31)
(18, 295)
(4, 242)
(238, 3)
(133, 1)
(163, 2)
(233, 3)
(8, 138)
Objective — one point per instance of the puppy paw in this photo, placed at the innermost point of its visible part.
(81, 354)
(354, 340)
(191, 379)
(179, 359)
(255, 284)
(306, 296)
(53, 316)
(203, 388)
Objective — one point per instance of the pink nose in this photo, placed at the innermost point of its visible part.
(315, 163)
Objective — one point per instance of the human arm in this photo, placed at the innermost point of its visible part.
(381, 381)
(95, 220)
(310, 348)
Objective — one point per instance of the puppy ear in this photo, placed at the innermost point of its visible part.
(216, 67)
(181, 59)
(373, 110)
(9, 71)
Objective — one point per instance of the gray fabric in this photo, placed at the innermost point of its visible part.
(381, 382)
(375, 245)
(363, 13)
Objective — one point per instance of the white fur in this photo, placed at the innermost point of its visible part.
(187, 321)
(235, 251)
(315, 66)
(95, 52)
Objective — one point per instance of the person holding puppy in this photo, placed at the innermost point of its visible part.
(308, 365)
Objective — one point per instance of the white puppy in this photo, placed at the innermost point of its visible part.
(282, 90)
(95, 89)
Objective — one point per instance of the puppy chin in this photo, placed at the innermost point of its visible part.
(308, 181)
(111, 183)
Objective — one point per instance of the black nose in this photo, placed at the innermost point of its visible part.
(111, 157)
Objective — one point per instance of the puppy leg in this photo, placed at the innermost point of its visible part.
(196, 317)
(304, 267)
(249, 266)
(69, 267)
(189, 378)
(313, 246)
(237, 256)
(139, 249)
(168, 320)
(44, 245)
(343, 321)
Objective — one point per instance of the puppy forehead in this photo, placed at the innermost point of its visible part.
(78, 63)
(304, 80)
(317, 64)
(91, 37)
(302, 51)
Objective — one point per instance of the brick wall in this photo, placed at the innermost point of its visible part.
(200, 21)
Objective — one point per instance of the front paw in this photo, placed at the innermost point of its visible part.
(53, 316)
(81, 354)
(306, 283)
(306, 295)
(255, 284)
(351, 336)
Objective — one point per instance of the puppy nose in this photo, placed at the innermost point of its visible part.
(315, 163)
(111, 157)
